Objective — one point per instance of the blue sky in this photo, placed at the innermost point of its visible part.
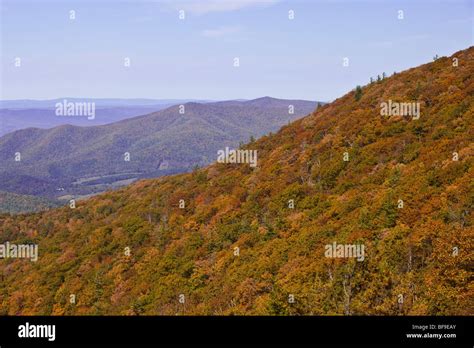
(193, 58)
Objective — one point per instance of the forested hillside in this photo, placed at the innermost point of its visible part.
(400, 186)
(14, 203)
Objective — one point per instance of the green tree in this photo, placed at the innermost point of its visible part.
(358, 93)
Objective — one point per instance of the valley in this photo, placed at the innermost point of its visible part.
(88, 160)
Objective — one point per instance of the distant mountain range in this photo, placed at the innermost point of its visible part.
(99, 102)
(20, 114)
(67, 160)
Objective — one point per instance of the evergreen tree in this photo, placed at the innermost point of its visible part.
(358, 93)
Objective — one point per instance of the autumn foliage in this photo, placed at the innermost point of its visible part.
(419, 254)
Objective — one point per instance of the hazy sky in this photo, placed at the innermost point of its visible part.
(193, 58)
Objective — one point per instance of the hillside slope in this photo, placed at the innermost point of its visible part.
(14, 203)
(159, 143)
(391, 184)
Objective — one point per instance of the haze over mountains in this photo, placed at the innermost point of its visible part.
(70, 160)
(398, 185)
(99, 102)
(20, 114)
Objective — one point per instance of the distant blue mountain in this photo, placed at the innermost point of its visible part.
(99, 102)
(20, 114)
(70, 160)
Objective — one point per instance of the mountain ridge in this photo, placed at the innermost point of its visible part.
(64, 154)
(400, 187)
